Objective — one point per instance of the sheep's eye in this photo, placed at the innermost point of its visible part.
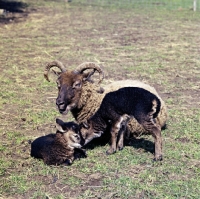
(58, 84)
(76, 136)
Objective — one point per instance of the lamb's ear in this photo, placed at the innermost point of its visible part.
(97, 135)
(77, 84)
(75, 127)
(60, 125)
(86, 125)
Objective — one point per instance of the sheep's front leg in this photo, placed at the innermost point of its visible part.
(114, 133)
(120, 144)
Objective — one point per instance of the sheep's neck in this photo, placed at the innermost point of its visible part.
(89, 101)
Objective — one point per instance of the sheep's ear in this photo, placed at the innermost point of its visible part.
(97, 135)
(75, 127)
(87, 76)
(77, 84)
(56, 72)
(60, 125)
(100, 90)
(86, 125)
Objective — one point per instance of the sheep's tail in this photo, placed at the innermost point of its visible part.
(156, 105)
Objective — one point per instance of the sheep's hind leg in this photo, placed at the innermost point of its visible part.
(120, 143)
(155, 130)
(114, 133)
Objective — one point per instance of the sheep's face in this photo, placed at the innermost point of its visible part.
(71, 133)
(69, 90)
(88, 133)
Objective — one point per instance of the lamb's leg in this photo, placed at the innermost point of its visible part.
(68, 158)
(155, 130)
(68, 161)
(114, 133)
(120, 144)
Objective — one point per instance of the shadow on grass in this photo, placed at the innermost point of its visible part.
(141, 143)
(12, 6)
(136, 143)
(12, 11)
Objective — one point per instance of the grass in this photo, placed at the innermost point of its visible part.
(144, 4)
(156, 46)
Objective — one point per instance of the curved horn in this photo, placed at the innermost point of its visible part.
(90, 65)
(55, 63)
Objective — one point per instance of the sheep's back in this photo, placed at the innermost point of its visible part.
(133, 126)
(38, 146)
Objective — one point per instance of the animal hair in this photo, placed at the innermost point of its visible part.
(91, 94)
(56, 149)
(135, 102)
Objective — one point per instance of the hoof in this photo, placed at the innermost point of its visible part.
(159, 158)
(67, 162)
(110, 151)
(120, 148)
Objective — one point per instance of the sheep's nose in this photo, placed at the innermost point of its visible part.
(59, 100)
(60, 104)
(82, 142)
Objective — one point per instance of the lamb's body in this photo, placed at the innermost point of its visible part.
(135, 102)
(59, 148)
(135, 128)
(52, 150)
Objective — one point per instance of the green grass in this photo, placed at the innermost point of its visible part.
(158, 46)
(144, 4)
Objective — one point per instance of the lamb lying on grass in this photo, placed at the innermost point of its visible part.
(132, 101)
(62, 147)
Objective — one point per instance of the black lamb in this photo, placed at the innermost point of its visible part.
(114, 109)
(62, 147)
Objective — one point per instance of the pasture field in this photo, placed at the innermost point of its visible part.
(158, 46)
